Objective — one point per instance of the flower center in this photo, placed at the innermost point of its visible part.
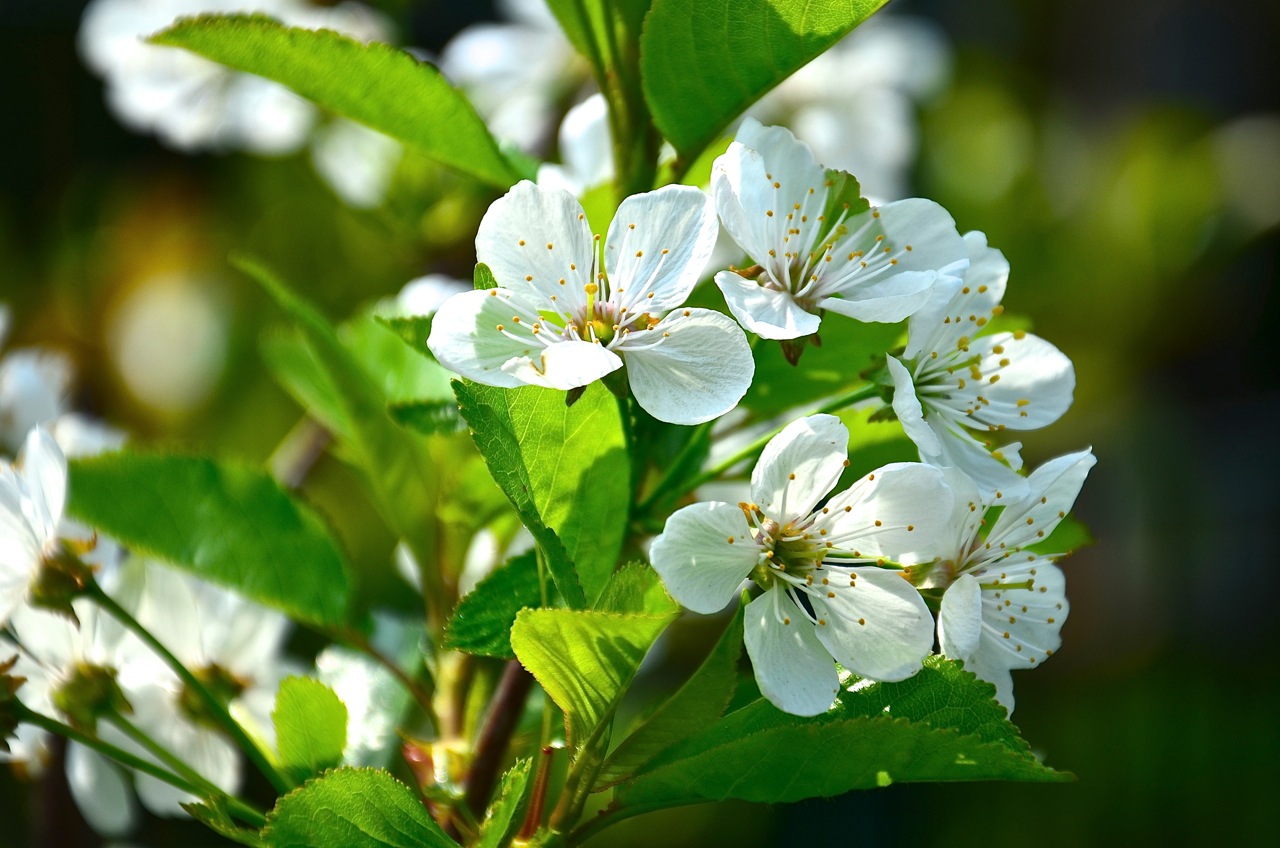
(221, 683)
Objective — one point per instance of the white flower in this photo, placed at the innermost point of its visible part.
(952, 379)
(826, 595)
(562, 317)
(193, 104)
(516, 72)
(586, 149)
(1004, 606)
(230, 643)
(793, 219)
(34, 385)
(32, 496)
(424, 295)
(55, 655)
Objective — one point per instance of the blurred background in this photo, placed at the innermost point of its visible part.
(1126, 159)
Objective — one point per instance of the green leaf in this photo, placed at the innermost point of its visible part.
(482, 622)
(501, 814)
(703, 63)
(564, 468)
(941, 725)
(393, 460)
(483, 279)
(353, 808)
(847, 348)
(584, 661)
(215, 815)
(374, 84)
(694, 707)
(636, 588)
(227, 523)
(429, 417)
(311, 727)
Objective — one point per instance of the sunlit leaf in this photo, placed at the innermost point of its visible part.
(375, 84)
(311, 727)
(227, 523)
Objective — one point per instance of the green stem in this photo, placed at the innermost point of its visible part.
(676, 467)
(839, 402)
(608, 817)
(243, 811)
(216, 708)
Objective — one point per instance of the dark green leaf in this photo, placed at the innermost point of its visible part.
(311, 727)
(703, 63)
(375, 84)
(692, 709)
(564, 468)
(227, 523)
(847, 347)
(501, 814)
(353, 808)
(941, 725)
(584, 661)
(482, 623)
(429, 417)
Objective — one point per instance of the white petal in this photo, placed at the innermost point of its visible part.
(513, 241)
(465, 337)
(101, 792)
(792, 667)
(585, 144)
(766, 311)
(564, 365)
(887, 300)
(699, 370)
(879, 627)
(929, 229)
(1026, 383)
(907, 407)
(44, 470)
(658, 244)
(960, 618)
(765, 170)
(996, 479)
(33, 390)
(1021, 627)
(890, 511)
(1051, 492)
(799, 466)
(696, 560)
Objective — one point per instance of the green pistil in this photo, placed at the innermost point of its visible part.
(222, 684)
(88, 694)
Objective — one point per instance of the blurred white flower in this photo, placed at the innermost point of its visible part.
(896, 63)
(34, 387)
(424, 295)
(32, 496)
(195, 105)
(231, 644)
(586, 149)
(517, 72)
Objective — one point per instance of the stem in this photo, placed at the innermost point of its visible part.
(495, 736)
(840, 402)
(216, 708)
(242, 810)
(298, 453)
(538, 796)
